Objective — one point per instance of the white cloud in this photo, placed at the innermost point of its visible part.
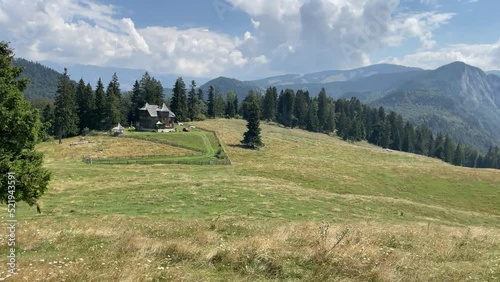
(484, 56)
(84, 31)
(288, 36)
(325, 34)
(255, 23)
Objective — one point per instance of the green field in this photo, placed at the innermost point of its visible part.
(306, 207)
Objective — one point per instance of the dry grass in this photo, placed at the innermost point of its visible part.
(142, 249)
(110, 146)
(275, 214)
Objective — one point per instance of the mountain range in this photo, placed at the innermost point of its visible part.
(458, 99)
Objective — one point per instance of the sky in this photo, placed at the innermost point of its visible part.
(250, 39)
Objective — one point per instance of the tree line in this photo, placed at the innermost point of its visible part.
(81, 109)
(353, 121)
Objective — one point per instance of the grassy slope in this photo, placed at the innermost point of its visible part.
(410, 218)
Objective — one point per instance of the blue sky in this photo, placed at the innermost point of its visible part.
(250, 39)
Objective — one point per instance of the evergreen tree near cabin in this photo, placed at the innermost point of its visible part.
(113, 103)
(178, 105)
(85, 100)
(100, 107)
(252, 137)
(19, 133)
(66, 111)
(194, 109)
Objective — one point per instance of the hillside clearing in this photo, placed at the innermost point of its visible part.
(275, 214)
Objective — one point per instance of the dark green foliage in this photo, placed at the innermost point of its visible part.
(397, 132)
(178, 105)
(312, 122)
(409, 138)
(20, 130)
(100, 106)
(323, 108)
(270, 104)
(113, 104)
(286, 107)
(220, 105)
(48, 119)
(301, 108)
(448, 149)
(152, 91)
(231, 104)
(458, 156)
(195, 107)
(211, 102)
(249, 99)
(43, 80)
(252, 137)
(66, 110)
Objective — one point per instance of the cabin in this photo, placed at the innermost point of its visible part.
(154, 117)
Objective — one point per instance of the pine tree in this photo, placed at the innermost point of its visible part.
(230, 110)
(286, 106)
(20, 129)
(385, 134)
(48, 120)
(66, 110)
(458, 156)
(113, 103)
(270, 104)
(330, 121)
(85, 101)
(194, 109)
(211, 102)
(448, 149)
(397, 131)
(220, 105)
(409, 138)
(100, 106)
(322, 108)
(252, 138)
(439, 147)
(80, 100)
(312, 122)
(301, 109)
(152, 90)
(178, 104)
(138, 100)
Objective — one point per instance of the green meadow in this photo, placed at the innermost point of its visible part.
(306, 207)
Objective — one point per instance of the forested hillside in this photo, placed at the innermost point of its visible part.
(43, 80)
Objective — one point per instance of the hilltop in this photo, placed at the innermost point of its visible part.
(306, 207)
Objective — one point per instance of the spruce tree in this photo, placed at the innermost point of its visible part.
(20, 129)
(230, 105)
(448, 149)
(178, 105)
(193, 104)
(48, 119)
(113, 103)
(270, 104)
(252, 137)
(100, 106)
(220, 105)
(458, 156)
(409, 138)
(312, 122)
(211, 102)
(137, 101)
(66, 110)
(322, 108)
(301, 109)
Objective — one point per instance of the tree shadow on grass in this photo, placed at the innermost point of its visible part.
(248, 147)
